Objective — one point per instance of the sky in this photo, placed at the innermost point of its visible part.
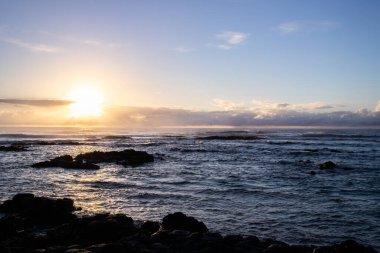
(228, 62)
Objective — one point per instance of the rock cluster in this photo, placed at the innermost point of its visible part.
(66, 162)
(13, 148)
(128, 157)
(43, 225)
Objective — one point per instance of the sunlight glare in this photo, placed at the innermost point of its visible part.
(88, 102)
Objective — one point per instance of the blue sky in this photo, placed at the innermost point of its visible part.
(244, 55)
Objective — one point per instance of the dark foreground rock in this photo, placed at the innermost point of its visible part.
(87, 161)
(38, 224)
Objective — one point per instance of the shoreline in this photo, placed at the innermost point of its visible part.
(40, 224)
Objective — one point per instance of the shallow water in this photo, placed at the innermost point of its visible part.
(261, 187)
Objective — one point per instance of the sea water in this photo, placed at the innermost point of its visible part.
(269, 187)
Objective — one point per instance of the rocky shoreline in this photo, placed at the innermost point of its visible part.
(45, 225)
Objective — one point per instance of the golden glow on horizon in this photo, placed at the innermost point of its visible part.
(88, 102)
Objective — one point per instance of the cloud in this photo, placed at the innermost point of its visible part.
(280, 115)
(97, 43)
(377, 108)
(183, 49)
(153, 117)
(230, 39)
(292, 27)
(41, 102)
(39, 48)
(102, 44)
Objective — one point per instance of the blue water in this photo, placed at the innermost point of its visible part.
(260, 187)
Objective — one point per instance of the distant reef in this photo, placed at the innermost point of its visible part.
(39, 224)
(88, 161)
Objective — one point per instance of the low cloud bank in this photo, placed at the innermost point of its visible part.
(180, 117)
(46, 112)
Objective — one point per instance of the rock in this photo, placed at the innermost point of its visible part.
(106, 248)
(78, 251)
(232, 239)
(278, 248)
(248, 246)
(103, 228)
(351, 246)
(179, 221)
(40, 210)
(327, 165)
(324, 249)
(128, 157)
(301, 249)
(150, 226)
(66, 162)
(13, 148)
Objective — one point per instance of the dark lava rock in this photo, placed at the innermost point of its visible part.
(126, 157)
(351, 246)
(327, 165)
(230, 137)
(43, 225)
(66, 162)
(150, 226)
(179, 221)
(13, 148)
(324, 249)
(39, 210)
(278, 248)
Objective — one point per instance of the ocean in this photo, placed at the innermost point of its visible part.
(269, 186)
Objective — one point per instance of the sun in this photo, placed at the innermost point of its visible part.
(87, 102)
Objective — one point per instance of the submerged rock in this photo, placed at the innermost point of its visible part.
(66, 162)
(327, 165)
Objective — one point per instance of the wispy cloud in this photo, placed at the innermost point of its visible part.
(183, 49)
(38, 48)
(292, 27)
(230, 39)
(98, 43)
(36, 102)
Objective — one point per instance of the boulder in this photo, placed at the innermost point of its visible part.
(179, 221)
(150, 226)
(39, 210)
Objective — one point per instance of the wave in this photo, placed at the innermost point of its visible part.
(230, 137)
(26, 136)
(348, 136)
(116, 137)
